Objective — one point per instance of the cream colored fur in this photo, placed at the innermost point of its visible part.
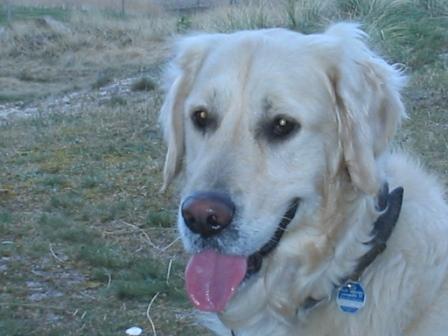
(348, 103)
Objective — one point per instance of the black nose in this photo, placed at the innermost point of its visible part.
(207, 213)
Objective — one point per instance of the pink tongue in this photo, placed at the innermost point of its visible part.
(212, 278)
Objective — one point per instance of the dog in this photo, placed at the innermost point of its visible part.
(291, 191)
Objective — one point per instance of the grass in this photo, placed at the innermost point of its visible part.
(48, 51)
(102, 80)
(21, 13)
(80, 186)
(413, 32)
(86, 239)
(144, 84)
(134, 6)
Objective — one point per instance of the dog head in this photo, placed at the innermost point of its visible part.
(276, 135)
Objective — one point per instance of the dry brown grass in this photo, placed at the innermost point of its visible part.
(132, 6)
(43, 56)
(252, 14)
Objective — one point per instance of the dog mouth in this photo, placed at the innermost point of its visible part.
(212, 278)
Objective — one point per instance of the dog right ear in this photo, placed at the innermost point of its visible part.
(189, 53)
(369, 106)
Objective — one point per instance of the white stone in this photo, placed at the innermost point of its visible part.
(134, 331)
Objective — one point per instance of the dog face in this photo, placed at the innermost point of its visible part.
(269, 128)
(243, 149)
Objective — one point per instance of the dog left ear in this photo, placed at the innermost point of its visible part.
(369, 107)
(179, 76)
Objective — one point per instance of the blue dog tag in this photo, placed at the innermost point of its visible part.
(351, 297)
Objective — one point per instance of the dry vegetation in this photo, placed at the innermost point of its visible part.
(132, 6)
(68, 50)
(86, 240)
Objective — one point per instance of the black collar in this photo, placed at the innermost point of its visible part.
(389, 204)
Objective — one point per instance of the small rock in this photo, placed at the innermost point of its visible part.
(444, 57)
(34, 285)
(134, 331)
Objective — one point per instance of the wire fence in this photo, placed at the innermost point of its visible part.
(10, 12)
(10, 9)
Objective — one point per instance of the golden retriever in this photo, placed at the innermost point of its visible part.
(282, 143)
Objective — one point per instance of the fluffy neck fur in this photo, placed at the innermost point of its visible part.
(306, 267)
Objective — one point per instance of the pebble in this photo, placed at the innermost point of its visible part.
(134, 331)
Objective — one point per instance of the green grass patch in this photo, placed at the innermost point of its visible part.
(102, 79)
(139, 279)
(27, 76)
(7, 249)
(410, 32)
(108, 211)
(60, 227)
(5, 217)
(14, 325)
(160, 218)
(10, 13)
(129, 277)
(66, 201)
(92, 181)
(183, 24)
(117, 100)
(138, 289)
(144, 84)
(107, 256)
(11, 97)
(5, 222)
(53, 181)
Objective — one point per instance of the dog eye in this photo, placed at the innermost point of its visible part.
(201, 119)
(282, 127)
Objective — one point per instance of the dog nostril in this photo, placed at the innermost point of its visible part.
(207, 213)
(213, 221)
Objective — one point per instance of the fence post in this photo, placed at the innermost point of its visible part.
(8, 11)
(123, 7)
